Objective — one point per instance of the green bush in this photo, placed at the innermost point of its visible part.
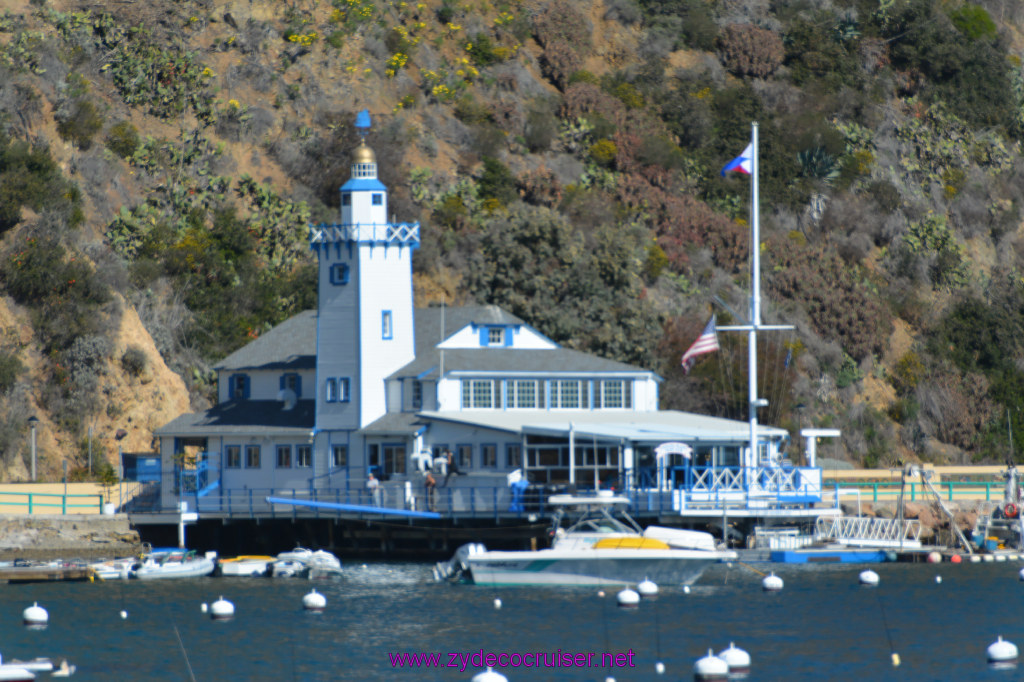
(29, 177)
(11, 368)
(123, 139)
(80, 123)
(603, 152)
(496, 182)
(134, 361)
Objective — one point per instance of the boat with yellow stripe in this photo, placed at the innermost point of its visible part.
(601, 545)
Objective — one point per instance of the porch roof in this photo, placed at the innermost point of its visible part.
(643, 427)
(244, 418)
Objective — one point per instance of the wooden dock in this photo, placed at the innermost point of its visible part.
(42, 573)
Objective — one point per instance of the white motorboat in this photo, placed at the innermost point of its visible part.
(247, 565)
(302, 562)
(24, 670)
(602, 546)
(177, 564)
(114, 569)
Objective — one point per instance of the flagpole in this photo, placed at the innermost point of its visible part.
(755, 297)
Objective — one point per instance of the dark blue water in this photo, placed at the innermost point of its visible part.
(822, 626)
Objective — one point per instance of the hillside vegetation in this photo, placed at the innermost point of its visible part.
(160, 163)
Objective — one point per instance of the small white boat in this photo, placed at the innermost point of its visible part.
(178, 564)
(247, 565)
(604, 546)
(114, 569)
(15, 670)
(302, 562)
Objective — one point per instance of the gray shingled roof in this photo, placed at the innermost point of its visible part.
(292, 345)
(289, 345)
(394, 423)
(244, 417)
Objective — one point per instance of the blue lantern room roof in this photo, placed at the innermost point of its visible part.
(363, 185)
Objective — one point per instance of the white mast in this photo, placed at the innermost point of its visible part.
(755, 305)
(755, 296)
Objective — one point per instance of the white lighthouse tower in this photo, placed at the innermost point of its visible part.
(365, 309)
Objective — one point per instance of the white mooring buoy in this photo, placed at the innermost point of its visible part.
(124, 614)
(737, 659)
(222, 609)
(35, 615)
(686, 589)
(489, 676)
(203, 607)
(314, 601)
(1002, 653)
(659, 668)
(628, 598)
(938, 579)
(771, 583)
(868, 577)
(710, 668)
(497, 604)
(934, 558)
(647, 588)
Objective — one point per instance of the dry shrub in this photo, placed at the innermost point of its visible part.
(559, 61)
(959, 409)
(747, 50)
(583, 100)
(562, 22)
(540, 187)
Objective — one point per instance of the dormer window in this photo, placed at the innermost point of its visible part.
(495, 336)
(238, 387)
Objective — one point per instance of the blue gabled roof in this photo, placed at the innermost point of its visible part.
(364, 185)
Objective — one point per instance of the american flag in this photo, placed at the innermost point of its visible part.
(707, 342)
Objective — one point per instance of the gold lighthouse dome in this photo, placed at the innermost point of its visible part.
(364, 162)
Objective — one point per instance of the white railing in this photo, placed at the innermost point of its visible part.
(867, 530)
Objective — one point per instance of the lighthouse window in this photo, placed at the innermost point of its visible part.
(339, 273)
(378, 200)
(346, 198)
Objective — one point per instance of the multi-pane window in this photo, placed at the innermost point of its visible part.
(290, 382)
(495, 336)
(522, 394)
(339, 456)
(284, 456)
(489, 455)
(377, 199)
(565, 394)
(478, 393)
(613, 394)
(233, 456)
(252, 456)
(417, 394)
(304, 456)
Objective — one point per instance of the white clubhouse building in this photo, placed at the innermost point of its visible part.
(366, 382)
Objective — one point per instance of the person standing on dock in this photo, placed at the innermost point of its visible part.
(453, 467)
(373, 487)
(430, 485)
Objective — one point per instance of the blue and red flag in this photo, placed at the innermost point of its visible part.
(744, 163)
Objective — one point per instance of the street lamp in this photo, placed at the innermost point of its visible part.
(32, 421)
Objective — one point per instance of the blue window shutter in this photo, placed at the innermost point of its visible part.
(483, 337)
(245, 391)
(298, 386)
(280, 383)
(508, 336)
